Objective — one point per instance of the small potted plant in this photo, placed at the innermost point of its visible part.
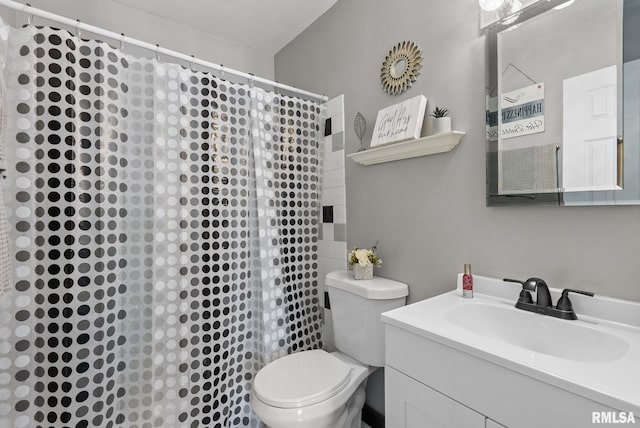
(439, 121)
(362, 261)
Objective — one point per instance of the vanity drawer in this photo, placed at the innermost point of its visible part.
(414, 405)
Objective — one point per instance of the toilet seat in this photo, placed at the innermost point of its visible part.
(301, 379)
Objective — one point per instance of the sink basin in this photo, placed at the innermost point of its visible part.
(543, 334)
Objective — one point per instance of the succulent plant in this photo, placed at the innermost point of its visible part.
(439, 112)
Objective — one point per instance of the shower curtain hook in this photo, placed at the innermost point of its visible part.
(78, 28)
(158, 52)
(277, 87)
(222, 71)
(122, 42)
(29, 16)
(191, 63)
(251, 77)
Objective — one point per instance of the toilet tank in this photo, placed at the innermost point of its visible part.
(356, 306)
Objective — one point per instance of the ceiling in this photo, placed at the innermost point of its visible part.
(265, 25)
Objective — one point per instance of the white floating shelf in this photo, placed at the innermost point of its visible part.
(429, 145)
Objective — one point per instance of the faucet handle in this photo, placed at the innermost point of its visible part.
(529, 285)
(564, 304)
(517, 281)
(525, 296)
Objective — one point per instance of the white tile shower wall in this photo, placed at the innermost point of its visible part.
(332, 248)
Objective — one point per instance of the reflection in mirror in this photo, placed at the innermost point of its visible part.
(554, 105)
(506, 11)
(398, 68)
(573, 73)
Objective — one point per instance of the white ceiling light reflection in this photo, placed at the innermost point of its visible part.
(490, 5)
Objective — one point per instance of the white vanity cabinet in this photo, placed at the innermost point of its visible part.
(440, 372)
(428, 384)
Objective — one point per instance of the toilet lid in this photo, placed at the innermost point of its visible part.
(301, 379)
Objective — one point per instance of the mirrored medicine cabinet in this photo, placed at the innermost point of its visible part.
(563, 104)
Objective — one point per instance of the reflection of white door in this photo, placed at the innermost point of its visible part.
(589, 134)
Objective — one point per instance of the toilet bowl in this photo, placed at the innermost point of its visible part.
(312, 389)
(318, 389)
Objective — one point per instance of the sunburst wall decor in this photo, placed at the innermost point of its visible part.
(401, 67)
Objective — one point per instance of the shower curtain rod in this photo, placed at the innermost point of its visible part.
(191, 60)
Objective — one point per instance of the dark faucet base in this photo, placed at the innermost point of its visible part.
(547, 310)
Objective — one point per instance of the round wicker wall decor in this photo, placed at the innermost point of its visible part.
(401, 67)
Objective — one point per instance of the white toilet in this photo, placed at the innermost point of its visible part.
(317, 389)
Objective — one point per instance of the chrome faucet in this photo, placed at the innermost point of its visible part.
(543, 304)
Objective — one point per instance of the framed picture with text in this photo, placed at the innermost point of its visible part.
(399, 122)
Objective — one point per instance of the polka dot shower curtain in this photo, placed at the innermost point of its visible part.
(164, 229)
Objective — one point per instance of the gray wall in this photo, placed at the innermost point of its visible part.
(429, 213)
(631, 30)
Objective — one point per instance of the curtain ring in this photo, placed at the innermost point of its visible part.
(122, 42)
(78, 28)
(191, 63)
(158, 52)
(277, 87)
(251, 77)
(222, 71)
(30, 15)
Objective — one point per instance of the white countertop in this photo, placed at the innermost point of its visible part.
(613, 383)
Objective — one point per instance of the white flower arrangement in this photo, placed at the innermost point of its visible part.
(364, 257)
